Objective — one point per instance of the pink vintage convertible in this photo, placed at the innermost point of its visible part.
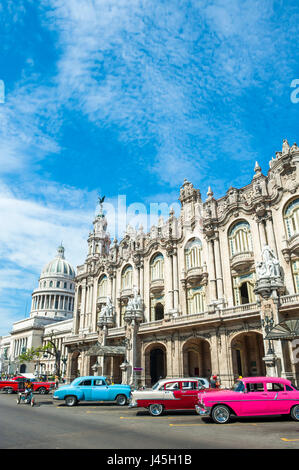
(251, 396)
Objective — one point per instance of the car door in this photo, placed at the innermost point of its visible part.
(280, 398)
(173, 389)
(100, 390)
(256, 400)
(189, 394)
(86, 388)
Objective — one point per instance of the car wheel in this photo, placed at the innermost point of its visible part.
(42, 390)
(156, 409)
(295, 413)
(121, 400)
(221, 414)
(71, 401)
(9, 391)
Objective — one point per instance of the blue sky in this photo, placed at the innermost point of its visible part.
(130, 97)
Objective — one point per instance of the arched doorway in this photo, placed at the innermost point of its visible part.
(197, 358)
(247, 355)
(22, 368)
(155, 363)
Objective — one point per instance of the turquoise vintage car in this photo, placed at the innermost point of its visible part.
(92, 388)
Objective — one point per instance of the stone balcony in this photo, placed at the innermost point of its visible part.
(290, 246)
(289, 302)
(102, 299)
(242, 261)
(126, 293)
(195, 275)
(157, 286)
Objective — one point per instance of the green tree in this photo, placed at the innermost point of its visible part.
(33, 354)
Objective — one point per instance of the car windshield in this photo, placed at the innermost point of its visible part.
(156, 386)
(238, 387)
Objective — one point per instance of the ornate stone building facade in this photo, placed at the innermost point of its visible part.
(200, 294)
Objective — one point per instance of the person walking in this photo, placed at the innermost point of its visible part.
(56, 381)
(213, 381)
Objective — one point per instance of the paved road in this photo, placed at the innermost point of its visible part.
(102, 426)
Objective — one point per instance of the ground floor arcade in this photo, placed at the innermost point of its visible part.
(228, 351)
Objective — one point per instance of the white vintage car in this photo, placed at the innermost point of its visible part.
(169, 394)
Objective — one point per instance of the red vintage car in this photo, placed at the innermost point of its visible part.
(12, 385)
(38, 386)
(168, 394)
(9, 386)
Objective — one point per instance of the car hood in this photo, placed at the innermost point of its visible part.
(219, 395)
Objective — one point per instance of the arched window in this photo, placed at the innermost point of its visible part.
(51, 284)
(196, 300)
(127, 278)
(193, 251)
(240, 238)
(103, 287)
(291, 218)
(157, 267)
(159, 311)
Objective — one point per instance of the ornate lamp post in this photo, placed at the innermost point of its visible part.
(267, 324)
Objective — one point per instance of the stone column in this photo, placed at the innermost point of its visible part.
(76, 314)
(211, 270)
(263, 234)
(168, 283)
(141, 287)
(219, 278)
(271, 235)
(175, 281)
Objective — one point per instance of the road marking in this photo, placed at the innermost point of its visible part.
(204, 424)
(154, 417)
(288, 440)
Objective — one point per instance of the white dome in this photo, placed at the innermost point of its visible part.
(58, 266)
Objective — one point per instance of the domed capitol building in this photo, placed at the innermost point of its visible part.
(50, 317)
(212, 291)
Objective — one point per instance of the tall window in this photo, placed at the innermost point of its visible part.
(103, 287)
(295, 267)
(240, 238)
(127, 278)
(157, 267)
(243, 289)
(196, 300)
(291, 218)
(193, 252)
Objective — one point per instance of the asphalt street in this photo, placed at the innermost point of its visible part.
(51, 425)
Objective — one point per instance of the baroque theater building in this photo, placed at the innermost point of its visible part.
(212, 291)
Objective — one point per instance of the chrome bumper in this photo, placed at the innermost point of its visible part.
(133, 404)
(203, 412)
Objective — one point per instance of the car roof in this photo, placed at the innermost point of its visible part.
(179, 379)
(265, 379)
(87, 377)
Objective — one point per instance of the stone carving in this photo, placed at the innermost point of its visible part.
(134, 303)
(269, 267)
(285, 147)
(107, 311)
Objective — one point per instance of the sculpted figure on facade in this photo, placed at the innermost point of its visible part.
(269, 267)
